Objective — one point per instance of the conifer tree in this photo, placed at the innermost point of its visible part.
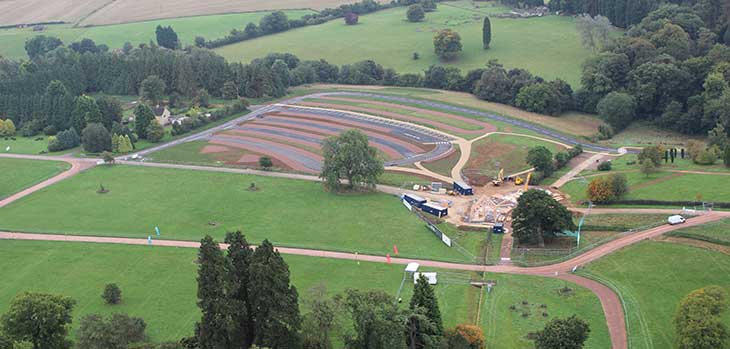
(424, 323)
(212, 330)
(239, 258)
(275, 307)
(486, 33)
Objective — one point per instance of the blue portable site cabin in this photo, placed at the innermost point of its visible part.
(413, 199)
(463, 188)
(436, 210)
(498, 228)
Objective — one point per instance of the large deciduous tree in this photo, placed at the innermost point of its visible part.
(350, 156)
(85, 111)
(569, 333)
(275, 307)
(377, 321)
(41, 319)
(618, 109)
(116, 332)
(541, 158)
(699, 322)
(447, 44)
(537, 216)
(41, 44)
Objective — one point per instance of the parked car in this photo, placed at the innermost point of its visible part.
(676, 219)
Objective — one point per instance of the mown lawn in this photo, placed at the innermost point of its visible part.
(24, 145)
(18, 174)
(652, 278)
(666, 186)
(630, 162)
(189, 204)
(719, 230)
(114, 36)
(158, 284)
(547, 46)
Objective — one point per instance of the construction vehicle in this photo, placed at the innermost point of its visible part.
(526, 182)
(519, 181)
(500, 178)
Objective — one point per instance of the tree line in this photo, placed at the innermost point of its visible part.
(670, 69)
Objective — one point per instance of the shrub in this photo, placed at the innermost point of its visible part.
(620, 185)
(600, 190)
(155, 132)
(561, 159)
(351, 18)
(50, 130)
(605, 166)
(654, 154)
(64, 140)
(465, 336)
(116, 332)
(112, 294)
(415, 13)
(96, 138)
(265, 162)
(575, 151)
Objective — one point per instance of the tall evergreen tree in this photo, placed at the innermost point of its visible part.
(110, 109)
(424, 297)
(281, 76)
(486, 33)
(274, 301)
(239, 258)
(212, 330)
(58, 104)
(143, 116)
(85, 111)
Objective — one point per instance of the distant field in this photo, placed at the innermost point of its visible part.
(35, 11)
(18, 174)
(665, 186)
(189, 204)
(114, 36)
(547, 46)
(24, 145)
(123, 11)
(158, 284)
(652, 278)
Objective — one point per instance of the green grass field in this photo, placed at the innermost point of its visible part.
(629, 162)
(18, 174)
(652, 278)
(664, 186)
(188, 204)
(547, 46)
(158, 284)
(443, 166)
(716, 231)
(622, 222)
(114, 36)
(495, 152)
(25, 145)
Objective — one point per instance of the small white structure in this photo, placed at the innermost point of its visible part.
(676, 219)
(431, 277)
(412, 267)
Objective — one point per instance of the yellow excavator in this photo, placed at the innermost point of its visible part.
(526, 182)
(500, 178)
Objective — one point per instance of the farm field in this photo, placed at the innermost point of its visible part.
(114, 36)
(185, 205)
(18, 174)
(390, 40)
(495, 152)
(652, 278)
(158, 284)
(37, 11)
(666, 186)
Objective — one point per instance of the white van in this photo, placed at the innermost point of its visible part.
(676, 219)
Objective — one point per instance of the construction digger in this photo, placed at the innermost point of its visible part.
(499, 180)
(526, 182)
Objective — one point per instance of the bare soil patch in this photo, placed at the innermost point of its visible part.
(38, 11)
(211, 149)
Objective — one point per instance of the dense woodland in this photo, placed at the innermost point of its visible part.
(671, 68)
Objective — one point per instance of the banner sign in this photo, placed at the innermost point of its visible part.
(407, 205)
(446, 240)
